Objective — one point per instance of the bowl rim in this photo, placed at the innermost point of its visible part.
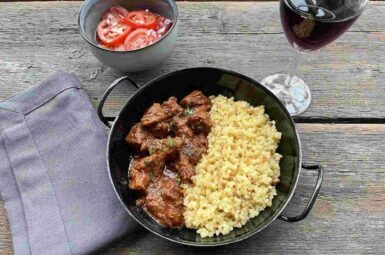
(219, 243)
(82, 33)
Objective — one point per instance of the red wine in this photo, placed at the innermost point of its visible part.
(310, 27)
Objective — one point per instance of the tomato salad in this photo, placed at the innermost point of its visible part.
(122, 30)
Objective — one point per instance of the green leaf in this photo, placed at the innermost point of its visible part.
(170, 142)
(188, 111)
(151, 150)
(152, 176)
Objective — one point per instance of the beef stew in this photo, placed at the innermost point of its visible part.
(168, 142)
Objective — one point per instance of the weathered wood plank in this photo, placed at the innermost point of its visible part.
(348, 218)
(5, 233)
(347, 81)
(346, 78)
(176, 0)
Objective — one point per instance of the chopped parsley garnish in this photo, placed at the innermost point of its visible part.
(170, 142)
(152, 176)
(188, 111)
(146, 162)
(151, 150)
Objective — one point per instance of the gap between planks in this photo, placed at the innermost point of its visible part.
(357, 120)
(368, 122)
(341, 128)
(176, 0)
(358, 128)
(218, 0)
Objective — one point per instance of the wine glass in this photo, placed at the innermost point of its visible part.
(309, 25)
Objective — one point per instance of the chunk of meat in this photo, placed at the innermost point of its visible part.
(168, 147)
(200, 122)
(160, 129)
(172, 107)
(143, 171)
(201, 142)
(165, 202)
(139, 177)
(205, 107)
(139, 180)
(184, 167)
(154, 163)
(173, 146)
(181, 128)
(153, 115)
(196, 99)
(195, 148)
(137, 136)
(166, 213)
(152, 146)
(170, 190)
(184, 131)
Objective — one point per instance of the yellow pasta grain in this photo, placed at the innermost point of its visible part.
(234, 180)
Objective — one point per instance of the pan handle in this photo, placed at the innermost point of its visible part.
(313, 197)
(104, 119)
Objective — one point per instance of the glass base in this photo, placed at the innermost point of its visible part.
(291, 90)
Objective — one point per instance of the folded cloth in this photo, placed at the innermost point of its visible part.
(53, 171)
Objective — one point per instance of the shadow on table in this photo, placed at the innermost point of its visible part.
(142, 241)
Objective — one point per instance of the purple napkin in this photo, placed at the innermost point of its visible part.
(53, 171)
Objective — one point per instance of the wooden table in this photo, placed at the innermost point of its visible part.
(344, 129)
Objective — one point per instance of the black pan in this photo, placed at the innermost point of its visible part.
(211, 81)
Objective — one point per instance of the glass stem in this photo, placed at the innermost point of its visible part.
(294, 66)
(289, 88)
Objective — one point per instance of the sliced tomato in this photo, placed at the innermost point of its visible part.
(149, 19)
(140, 38)
(115, 12)
(141, 19)
(134, 19)
(112, 35)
